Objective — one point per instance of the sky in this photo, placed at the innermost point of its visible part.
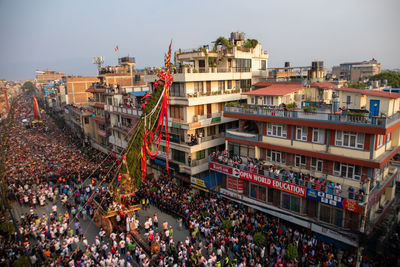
(66, 34)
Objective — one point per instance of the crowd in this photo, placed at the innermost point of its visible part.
(45, 168)
(257, 166)
(221, 233)
(214, 242)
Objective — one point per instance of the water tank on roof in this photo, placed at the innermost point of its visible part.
(234, 36)
(287, 64)
(241, 36)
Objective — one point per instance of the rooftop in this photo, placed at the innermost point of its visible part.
(370, 92)
(264, 84)
(323, 85)
(276, 90)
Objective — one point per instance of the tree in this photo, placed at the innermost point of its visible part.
(358, 85)
(393, 78)
(292, 252)
(28, 87)
(259, 238)
(250, 43)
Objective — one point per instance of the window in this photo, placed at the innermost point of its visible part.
(199, 110)
(301, 133)
(350, 139)
(86, 119)
(300, 161)
(109, 100)
(380, 140)
(221, 85)
(177, 89)
(268, 100)
(176, 112)
(178, 155)
(211, 130)
(229, 85)
(347, 171)
(388, 137)
(318, 136)
(277, 130)
(263, 64)
(270, 195)
(290, 202)
(316, 164)
(241, 150)
(198, 87)
(276, 156)
(201, 154)
(253, 100)
(258, 192)
(331, 215)
(348, 99)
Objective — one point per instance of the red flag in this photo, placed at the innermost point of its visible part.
(116, 48)
(119, 177)
(36, 111)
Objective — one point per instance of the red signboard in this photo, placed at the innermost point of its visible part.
(260, 179)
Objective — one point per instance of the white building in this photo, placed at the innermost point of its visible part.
(204, 81)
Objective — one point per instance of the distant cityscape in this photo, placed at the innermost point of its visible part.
(300, 143)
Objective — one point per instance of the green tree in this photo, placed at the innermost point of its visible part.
(28, 87)
(250, 43)
(358, 85)
(292, 252)
(393, 78)
(259, 238)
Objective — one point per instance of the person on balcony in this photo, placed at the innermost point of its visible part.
(350, 190)
(331, 187)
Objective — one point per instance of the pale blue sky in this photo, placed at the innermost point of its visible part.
(66, 34)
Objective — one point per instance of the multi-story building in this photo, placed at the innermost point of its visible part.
(78, 120)
(204, 81)
(357, 71)
(326, 166)
(74, 91)
(47, 76)
(114, 113)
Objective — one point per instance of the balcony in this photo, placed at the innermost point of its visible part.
(125, 129)
(378, 122)
(242, 135)
(282, 175)
(189, 73)
(124, 110)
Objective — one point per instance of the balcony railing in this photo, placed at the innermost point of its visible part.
(296, 180)
(380, 122)
(188, 70)
(213, 93)
(126, 60)
(124, 110)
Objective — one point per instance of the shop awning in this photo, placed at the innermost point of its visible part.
(139, 93)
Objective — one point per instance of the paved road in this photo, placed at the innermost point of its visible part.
(179, 234)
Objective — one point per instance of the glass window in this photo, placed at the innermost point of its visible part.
(301, 133)
(291, 202)
(270, 195)
(350, 139)
(277, 130)
(300, 161)
(347, 171)
(316, 164)
(318, 135)
(178, 155)
(325, 213)
(201, 154)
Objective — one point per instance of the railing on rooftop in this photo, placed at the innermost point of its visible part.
(202, 70)
(126, 60)
(380, 122)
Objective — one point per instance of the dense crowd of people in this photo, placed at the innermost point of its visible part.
(46, 168)
(257, 166)
(214, 242)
